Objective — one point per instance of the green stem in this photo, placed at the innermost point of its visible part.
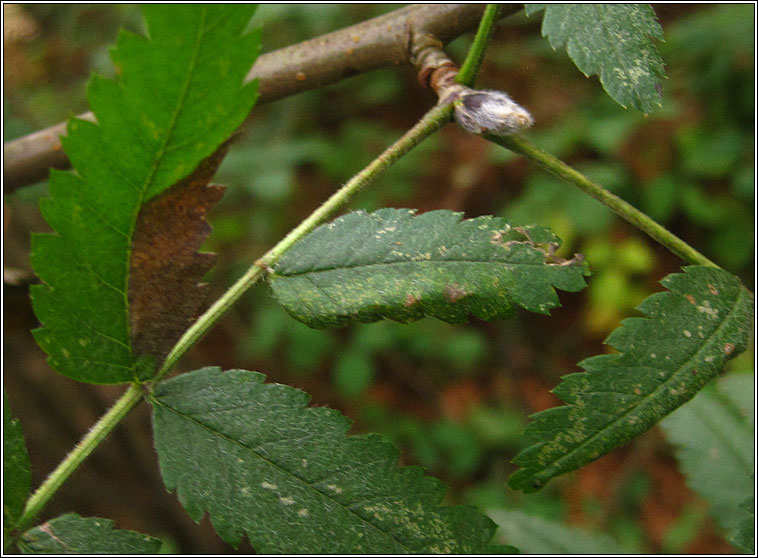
(431, 122)
(631, 214)
(82, 450)
(475, 56)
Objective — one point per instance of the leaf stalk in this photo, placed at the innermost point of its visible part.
(631, 214)
(432, 121)
(81, 451)
(475, 55)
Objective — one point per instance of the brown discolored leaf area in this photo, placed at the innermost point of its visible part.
(165, 288)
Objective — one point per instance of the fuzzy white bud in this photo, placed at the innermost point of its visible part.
(489, 112)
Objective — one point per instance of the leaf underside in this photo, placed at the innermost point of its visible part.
(72, 534)
(532, 534)
(392, 264)
(177, 98)
(714, 439)
(614, 41)
(745, 536)
(666, 358)
(263, 464)
(17, 473)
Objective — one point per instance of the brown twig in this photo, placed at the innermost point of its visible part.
(372, 44)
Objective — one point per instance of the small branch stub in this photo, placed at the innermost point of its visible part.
(476, 111)
(435, 69)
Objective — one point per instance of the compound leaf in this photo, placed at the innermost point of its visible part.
(263, 464)
(666, 358)
(178, 96)
(17, 473)
(392, 264)
(72, 534)
(714, 439)
(613, 41)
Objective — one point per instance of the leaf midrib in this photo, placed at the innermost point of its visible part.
(158, 401)
(158, 158)
(645, 401)
(418, 262)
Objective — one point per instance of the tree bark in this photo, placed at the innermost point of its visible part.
(375, 43)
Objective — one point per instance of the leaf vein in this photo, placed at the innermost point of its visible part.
(653, 396)
(275, 465)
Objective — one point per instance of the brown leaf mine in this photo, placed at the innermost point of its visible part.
(165, 293)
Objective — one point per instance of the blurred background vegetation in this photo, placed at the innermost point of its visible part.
(454, 398)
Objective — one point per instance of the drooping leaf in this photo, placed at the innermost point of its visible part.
(666, 358)
(392, 264)
(714, 438)
(178, 96)
(72, 534)
(17, 474)
(745, 536)
(537, 535)
(614, 41)
(289, 477)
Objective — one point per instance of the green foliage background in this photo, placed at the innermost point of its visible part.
(454, 398)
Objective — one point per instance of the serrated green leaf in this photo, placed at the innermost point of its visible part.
(263, 464)
(537, 535)
(178, 96)
(666, 358)
(613, 41)
(745, 536)
(392, 264)
(17, 474)
(72, 534)
(714, 438)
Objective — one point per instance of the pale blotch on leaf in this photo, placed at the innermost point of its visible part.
(410, 300)
(454, 292)
(334, 488)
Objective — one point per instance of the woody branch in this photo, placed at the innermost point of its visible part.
(366, 46)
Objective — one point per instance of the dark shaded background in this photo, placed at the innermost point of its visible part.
(453, 398)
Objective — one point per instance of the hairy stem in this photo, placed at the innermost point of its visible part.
(81, 451)
(628, 212)
(475, 56)
(430, 123)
